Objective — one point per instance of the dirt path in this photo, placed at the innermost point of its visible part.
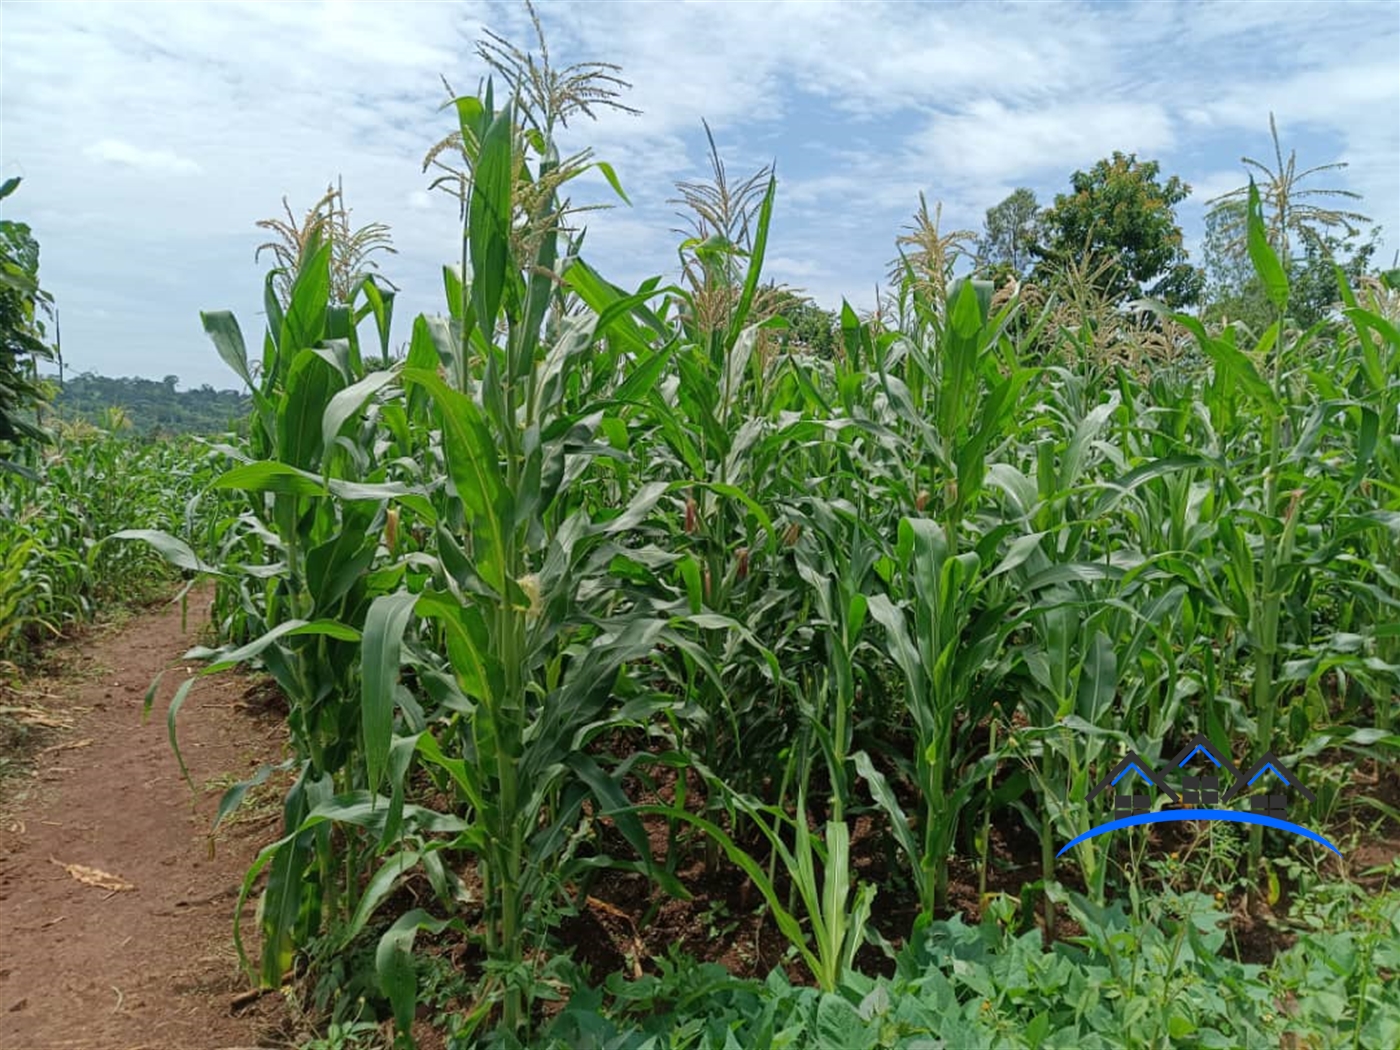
(153, 965)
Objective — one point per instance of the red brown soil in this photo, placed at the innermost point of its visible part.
(152, 966)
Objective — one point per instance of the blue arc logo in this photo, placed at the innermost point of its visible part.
(1165, 816)
(1221, 786)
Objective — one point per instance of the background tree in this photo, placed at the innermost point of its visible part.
(1313, 292)
(23, 343)
(1120, 211)
(814, 328)
(1010, 233)
(1290, 211)
(1233, 291)
(1294, 215)
(1225, 262)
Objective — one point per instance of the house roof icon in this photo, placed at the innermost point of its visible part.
(1200, 744)
(1267, 762)
(1131, 761)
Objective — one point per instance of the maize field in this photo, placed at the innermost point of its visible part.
(604, 605)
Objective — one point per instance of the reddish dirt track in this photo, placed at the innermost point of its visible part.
(152, 966)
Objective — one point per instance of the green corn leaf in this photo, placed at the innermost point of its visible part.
(1367, 323)
(489, 219)
(348, 402)
(636, 511)
(616, 312)
(149, 700)
(281, 907)
(395, 867)
(552, 375)
(735, 493)
(385, 624)
(311, 384)
(271, 476)
(786, 921)
(615, 805)
(304, 324)
(467, 777)
(380, 303)
(276, 317)
(740, 317)
(177, 702)
(1020, 550)
(334, 567)
(393, 966)
(1261, 253)
(352, 491)
(1117, 489)
(175, 551)
(225, 658)
(1099, 682)
(475, 471)
(222, 328)
(1367, 437)
(885, 797)
(1232, 363)
(477, 670)
(233, 797)
(609, 174)
(642, 378)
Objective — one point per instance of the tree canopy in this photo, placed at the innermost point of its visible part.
(1331, 236)
(24, 306)
(1121, 213)
(813, 327)
(1233, 291)
(1010, 234)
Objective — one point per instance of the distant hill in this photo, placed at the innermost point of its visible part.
(150, 406)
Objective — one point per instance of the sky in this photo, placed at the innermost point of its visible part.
(151, 137)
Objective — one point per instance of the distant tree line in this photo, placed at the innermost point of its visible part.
(1117, 229)
(148, 406)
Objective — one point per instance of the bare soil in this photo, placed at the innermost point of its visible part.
(116, 917)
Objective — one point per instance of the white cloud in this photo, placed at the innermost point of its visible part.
(150, 145)
(988, 140)
(153, 161)
(1217, 184)
(794, 269)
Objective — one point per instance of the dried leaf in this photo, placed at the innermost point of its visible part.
(73, 746)
(94, 877)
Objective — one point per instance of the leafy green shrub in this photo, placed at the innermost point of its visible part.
(1167, 983)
